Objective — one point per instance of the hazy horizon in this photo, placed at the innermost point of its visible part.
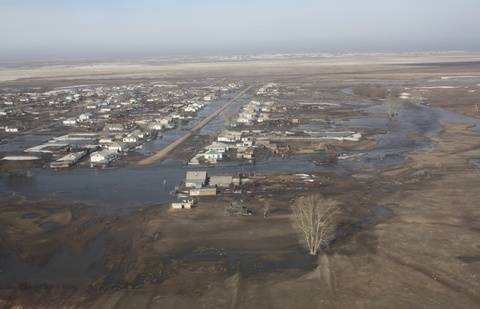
(53, 29)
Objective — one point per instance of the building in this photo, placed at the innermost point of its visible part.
(196, 179)
(229, 136)
(103, 156)
(117, 146)
(203, 192)
(70, 122)
(69, 160)
(130, 139)
(220, 181)
(155, 126)
(114, 127)
(212, 155)
(84, 117)
(219, 147)
(183, 204)
(11, 129)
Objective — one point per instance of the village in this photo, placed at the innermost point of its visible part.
(101, 123)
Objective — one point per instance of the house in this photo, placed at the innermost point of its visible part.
(70, 122)
(203, 192)
(229, 136)
(167, 122)
(209, 97)
(190, 108)
(218, 147)
(245, 153)
(196, 179)
(103, 156)
(84, 117)
(130, 139)
(68, 160)
(212, 155)
(117, 146)
(105, 140)
(220, 181)
(5, 111)
(11, 129)
(156, 126)
(139, 134)
(183, 204)
(114, 127)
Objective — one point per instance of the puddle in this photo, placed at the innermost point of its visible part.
(30, 215)
(250, 263)
(469, 259)
(50, 226)
(475, 162)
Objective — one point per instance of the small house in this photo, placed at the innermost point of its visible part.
(183, 204)
(70, 122)
(117, 146)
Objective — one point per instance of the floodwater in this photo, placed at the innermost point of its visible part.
(64, 268)
(113, 190)
(21, 142)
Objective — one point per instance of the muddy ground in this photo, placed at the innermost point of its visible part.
(408, 236)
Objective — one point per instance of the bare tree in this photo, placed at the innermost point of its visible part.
(315, 217)
(266, 209)
(391, 106)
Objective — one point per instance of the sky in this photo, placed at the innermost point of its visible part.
(49, 29)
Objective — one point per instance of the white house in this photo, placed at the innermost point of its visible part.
(114, 127)
(213, 156)
(11, 129)
(117, 146)
(70, 122)
(218, 146)
(156, 126)
(209, 97)
(190, 108)
(130, 139)
(84, 117)
(183, 204)
(229, 136)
